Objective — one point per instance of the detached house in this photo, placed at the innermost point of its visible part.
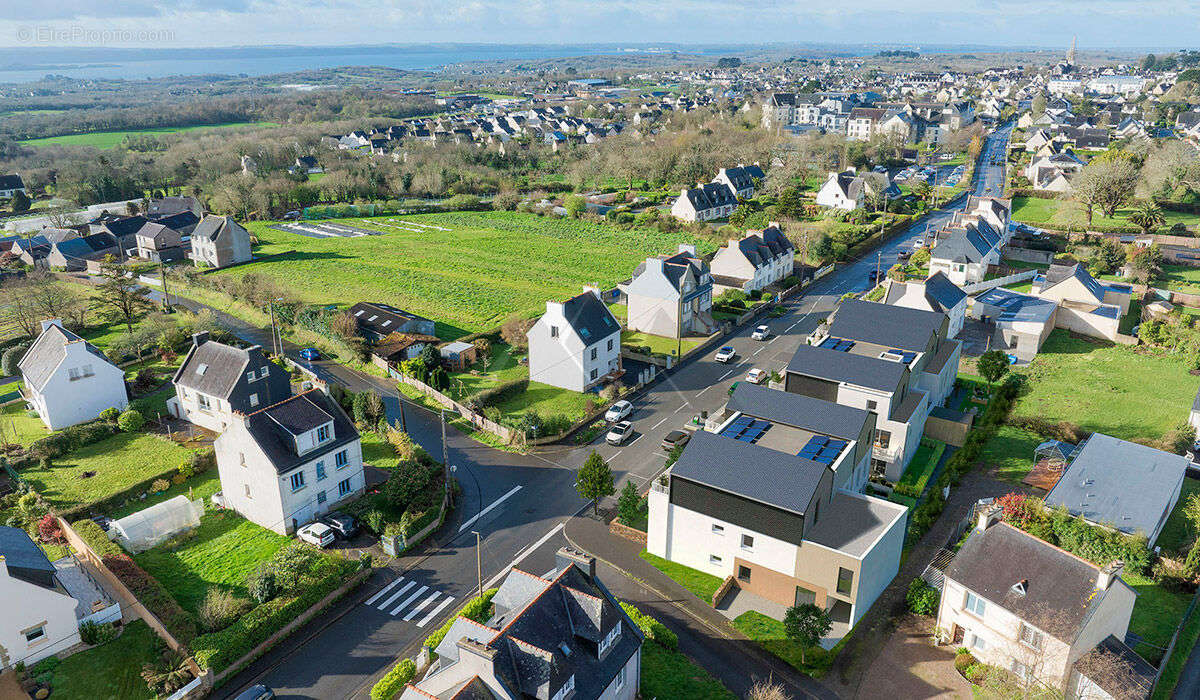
(10, 185)
(844, 190)
(1085, 305)
(377, 321)
(965, 249)
(68, 380)
(159, 243)
(741, 179)
(671, 296)
(704, 202)
(576, 344)
(758, 259)
(286, 464)
(217, 380)
(1032, 608)
(219, 241)
(82, 253)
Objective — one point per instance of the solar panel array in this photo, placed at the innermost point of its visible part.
(907, 357)
(839, 344)
(823, 449)
(746, 429)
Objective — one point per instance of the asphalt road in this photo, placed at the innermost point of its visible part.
(518, 503)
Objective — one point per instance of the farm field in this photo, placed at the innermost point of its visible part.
(1107, 388)
(112, 139)
(1034, 210)
(469, 277)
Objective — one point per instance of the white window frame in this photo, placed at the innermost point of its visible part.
(979, 609)
(253, 400)
(747, 542)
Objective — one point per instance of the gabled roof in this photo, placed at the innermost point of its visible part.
(213, 368)
(1059, 273)
(274, 428)
(125, 225)
(213, 227)
(382, 319)
(22, 556)
(837, 366)
(589, 318)
(47, 353)
(942, 293)
(11, 182)
(710, 196)
(891, 326)
(1118, 670)
(91, 247)
(798, 411)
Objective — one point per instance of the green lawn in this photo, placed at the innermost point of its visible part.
(1010, 452)
(1183, 648)
(701, 584)
(548, 400)
(16, 425)
(1063, 213)
(504, 367)
(1177, 534)
(1106, 388)
(1155, 615)
(199, 488)
(670, 674)
(112, 139)
(111, 670)
(660, 345)
(487, 266)
(920, 469)
(118, 463)
(769, 633)
(220, 553)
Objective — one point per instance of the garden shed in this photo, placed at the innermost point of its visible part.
(147, 527)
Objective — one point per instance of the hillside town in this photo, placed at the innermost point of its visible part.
(843, 376)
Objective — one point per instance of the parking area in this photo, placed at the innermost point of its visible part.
(324, 229)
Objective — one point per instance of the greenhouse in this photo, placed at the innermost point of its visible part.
(146, 528)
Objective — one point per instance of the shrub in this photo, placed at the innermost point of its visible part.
(497, 394)
(9, 359)
(220, 608)
(963, 660)
(394, 680)
(291, 563)
(131, 421)
(922, 598)
(407, 480)
(651, 628)
(92, 633)
(110, 414)
(262, 586)
(477, 609)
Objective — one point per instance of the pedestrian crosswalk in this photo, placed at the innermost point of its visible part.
(408, 597)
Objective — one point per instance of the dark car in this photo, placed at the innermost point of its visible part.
(904, 255)
(310, 354)
(103, 521)
(675, 438)
(344, 525)
(873, 275)
(256, 692)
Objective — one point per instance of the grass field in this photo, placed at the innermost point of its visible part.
(1034, 210)
(1107, 388)
(699, 583)
(198, 488)
(112, 139)
(923, 463)
(670, 674)
(768, 632)
(1155, 615)
(220, 553)
(1010, 452)
(1178, 534)
(660, 345)
(111, 670)
(117, 463)
(1174, 666)
(487, 266)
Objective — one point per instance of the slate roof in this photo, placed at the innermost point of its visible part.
(710, 196)
(1060, 588)
(182, 221)
(274, 428)
(92, 247)
(23, 557)
(1127, 485)
(942, 293)
(860, 370)
(1060, 273)
(222, 364)
(11, 182)
(798, 411)
(212, 227)
(47, 353)
(1118, 670)
(768, 476)
(589, 318)
(891, 326)
(382, 319)
(125, 225)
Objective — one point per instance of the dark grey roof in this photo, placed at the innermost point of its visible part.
(47, 353)
(590, 318)
(943, 293)
(24, 559)
(212, 227)
(126, 225)
(710, 196)
(1130, 486)
(798, 411)
(212, 368)
(11, 182)
(784, 481)
(891, 326)
(1118, 670)
(182, 222)
(1060, 588)
(1060, 273)
(92, 247)
(382, 319)
(274, 427)
(834, 365)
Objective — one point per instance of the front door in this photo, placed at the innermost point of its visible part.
(959, 635)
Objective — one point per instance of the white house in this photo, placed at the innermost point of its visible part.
(844, 190)
(740, 179)
(704, 202)
(575, 344)
(10, 185)
(284, 465)
(937, 293)
(68, 380)
(217, 380)
(965, 249)
(758, 259)
(671, 295)
(219, 241)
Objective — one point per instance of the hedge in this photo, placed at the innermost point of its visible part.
(475, 609)
(146, 588)
(901, 221)
(216, 651)
(651, 628)
(394, 680)
(497, 394)
(72, 438)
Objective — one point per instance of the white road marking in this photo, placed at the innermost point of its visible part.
(397, 594)
(433, 613)
(380, 594)
(524, 553)
(681, 407)
(664, 420)
(413, 613)
(722, 377)
(616, 454)
(410, 599)
(756, 352)
(487, 510)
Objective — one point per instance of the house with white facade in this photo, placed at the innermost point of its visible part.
(1031, 608)
(558, 636)
(284, 465)
(937, 294)
(1085, 305)
(741, 179)
(10, 185)
(755, 261)
(790, 109)
(67, 380)
(704, 202)
(965, 248)
(219, 241)
(845, 190)
(671, 295)
(217, 381)
(576, 344)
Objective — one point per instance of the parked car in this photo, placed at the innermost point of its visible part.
(256, 692)
(874, 275)
(618, 411)
(756, 376)
(619, 433)
(310, 354)
(675, 438)
(761, 333)
(725, 354)
(344, 526)
(317, 533)
(293, 214)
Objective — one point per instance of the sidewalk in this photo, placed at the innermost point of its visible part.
(744, 661)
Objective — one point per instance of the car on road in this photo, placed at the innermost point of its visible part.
(310, 354)
(675, 438)
(343, 525)
(292, 215)
(756, 376)
(619, 433)
(726, 354)
(919, 243)
(874, 275)
(256, 692)
(761, 333)
(317, 533)
(618, 411)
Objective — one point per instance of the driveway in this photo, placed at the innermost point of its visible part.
(910, 667)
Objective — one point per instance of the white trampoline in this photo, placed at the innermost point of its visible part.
(146, 528)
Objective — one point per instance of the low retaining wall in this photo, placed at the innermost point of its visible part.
(629, 533)
(727, 585)
(1032, 255)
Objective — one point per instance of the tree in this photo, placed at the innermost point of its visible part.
(1108, 182)
(595, 480)
(575, 205)
(1147, 217)
(1109, 257)
(627, 504)
(20, 202)
(120, 295)
(1147, 264)
(1191, 510)
(1039, 105)
(992, 365)
(805, 624)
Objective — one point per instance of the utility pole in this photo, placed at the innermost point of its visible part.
(445, 452)
(162, 271)
(878, 266)
(478, 561)
(274, 348)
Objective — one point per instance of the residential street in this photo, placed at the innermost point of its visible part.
(519, 503)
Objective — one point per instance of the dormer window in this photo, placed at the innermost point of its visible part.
(567, 688)
(322, 434)
(201, 369)
(1019, 587)
(611, 638)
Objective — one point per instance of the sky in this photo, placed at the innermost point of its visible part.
(1099, 24)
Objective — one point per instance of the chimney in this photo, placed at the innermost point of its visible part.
(253, 348)
(687, 248)
(567, 556)
(988, 518)
(654, 264)
(1108, 574)
(51, 322)
(774, 224)
(554, 307)
(3, 567)
(733, 242)
(594, 289)
(200, 338)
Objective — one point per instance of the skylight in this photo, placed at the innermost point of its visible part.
(201, 369)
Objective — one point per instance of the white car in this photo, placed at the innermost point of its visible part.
(319, 534)
(618, 411)
(619, 433)
(761, 333)
(756, 376)
(725, 354)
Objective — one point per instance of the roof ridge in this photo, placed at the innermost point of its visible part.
(504, 630)
(280, 403)
(1052, 546)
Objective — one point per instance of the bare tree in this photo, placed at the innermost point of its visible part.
(18, 308)
(1107, 183)
(767, 690)
(122, 297)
